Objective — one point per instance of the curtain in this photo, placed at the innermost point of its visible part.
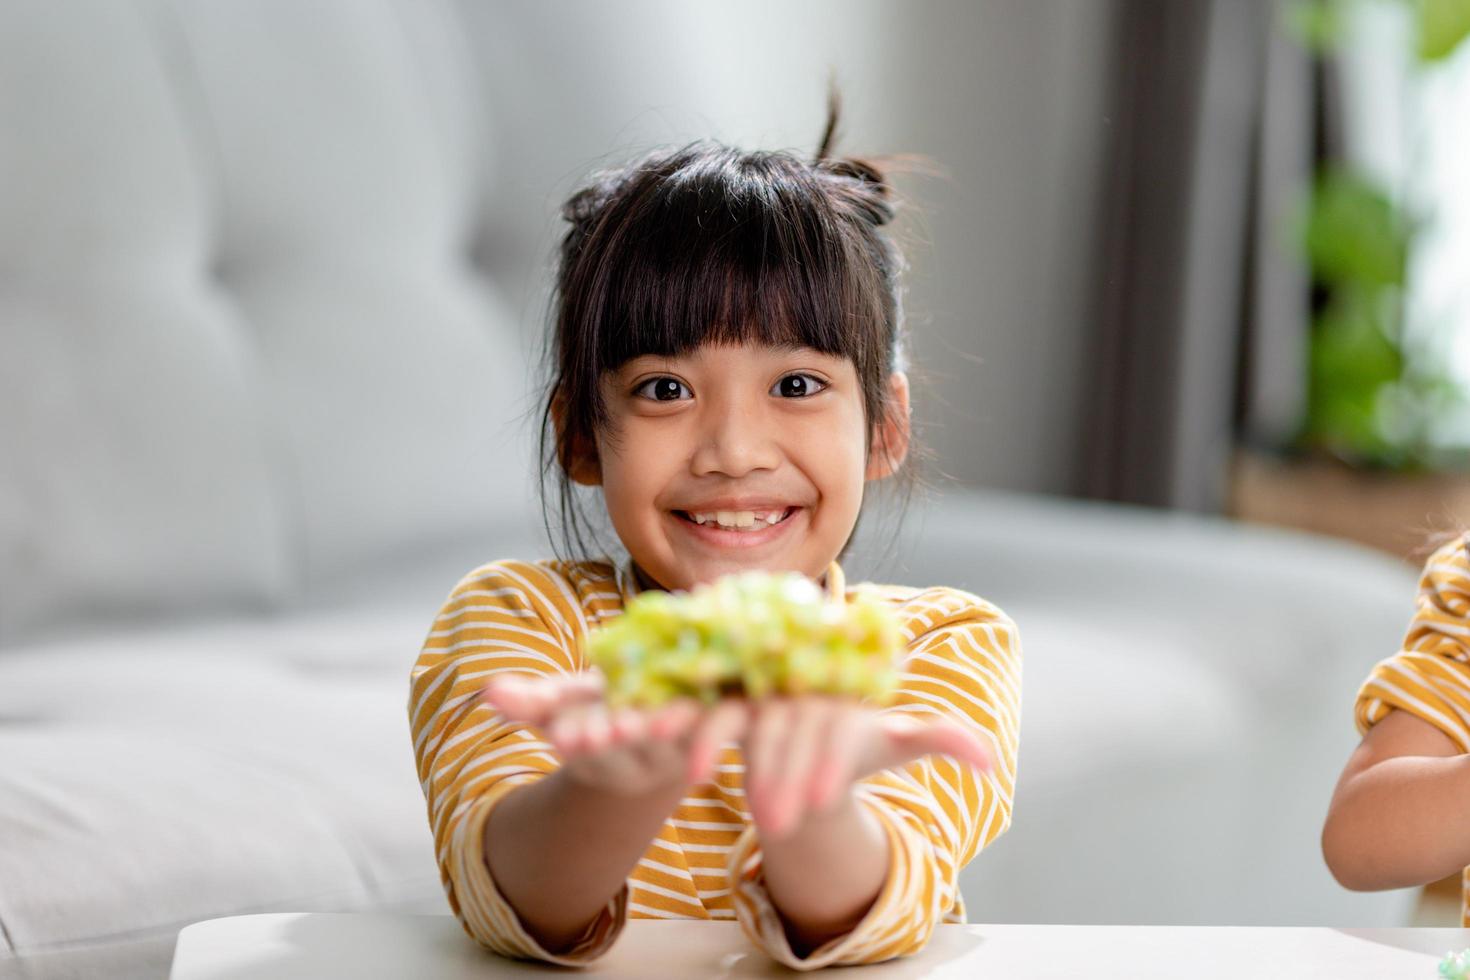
(1200, 326)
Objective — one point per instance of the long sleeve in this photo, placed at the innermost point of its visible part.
(963, 662)
(1430, 675)
(504, 617)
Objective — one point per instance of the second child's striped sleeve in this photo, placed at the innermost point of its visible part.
(506, 617)
(1430, 676)
(963, 663)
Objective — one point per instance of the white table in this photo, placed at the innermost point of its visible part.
(370, 946)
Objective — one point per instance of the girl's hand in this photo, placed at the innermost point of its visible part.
(623, 751)
(802, 755)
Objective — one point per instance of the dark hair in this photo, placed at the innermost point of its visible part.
(710, 244)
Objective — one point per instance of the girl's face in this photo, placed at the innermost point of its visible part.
(740, 457)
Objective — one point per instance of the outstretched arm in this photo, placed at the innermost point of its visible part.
(827, 855)
(545, 878)
(869, 879)
(561, 848)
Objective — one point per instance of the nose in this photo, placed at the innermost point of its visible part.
(735, 438)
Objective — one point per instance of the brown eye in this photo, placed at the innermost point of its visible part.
(663, 389)
(797, 386)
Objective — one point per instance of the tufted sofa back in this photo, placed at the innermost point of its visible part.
(244, 352)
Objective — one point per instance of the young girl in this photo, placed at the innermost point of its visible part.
(726, 369)
(1397, 817)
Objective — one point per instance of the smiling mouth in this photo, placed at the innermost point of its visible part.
(737, 520)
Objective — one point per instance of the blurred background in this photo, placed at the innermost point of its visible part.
(1185, 255)
(1192, 341)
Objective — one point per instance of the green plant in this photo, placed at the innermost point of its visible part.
(1375, 390)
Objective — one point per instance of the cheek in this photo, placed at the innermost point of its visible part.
(836, 460)
(631, 478)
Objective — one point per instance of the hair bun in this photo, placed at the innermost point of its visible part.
(585, 204)
(861, 170)
(864, 186)
(873, 194)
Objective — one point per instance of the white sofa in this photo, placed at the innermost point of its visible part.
(260, 408)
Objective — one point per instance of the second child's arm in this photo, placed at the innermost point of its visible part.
(1397, 815)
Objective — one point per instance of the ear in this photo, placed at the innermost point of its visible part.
(580, 456)
(890, 442)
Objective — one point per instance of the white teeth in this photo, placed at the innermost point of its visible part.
(733, 519)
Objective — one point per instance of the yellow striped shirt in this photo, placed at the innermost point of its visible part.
(962, 661)
(1430, 676)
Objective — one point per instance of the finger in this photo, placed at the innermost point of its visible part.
(596, 728)
(519, 699)
(788, 785)
(533, 700)
(564, 732)
(568, 730)
(672, 721)
(627, 726)
(723, 723)
(909, 738)
(716, 726)
(769, 731)
(573, 690)
(835, 769)
(583, 687)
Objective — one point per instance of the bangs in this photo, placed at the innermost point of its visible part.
(726, 248)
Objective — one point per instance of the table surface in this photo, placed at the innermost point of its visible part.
(372, 945)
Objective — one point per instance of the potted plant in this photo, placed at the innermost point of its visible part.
(1366, 463)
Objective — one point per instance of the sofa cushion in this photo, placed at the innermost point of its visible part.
(243, 350)
(135, 462)
(160, 775)
(172, 776)
(348, 146)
